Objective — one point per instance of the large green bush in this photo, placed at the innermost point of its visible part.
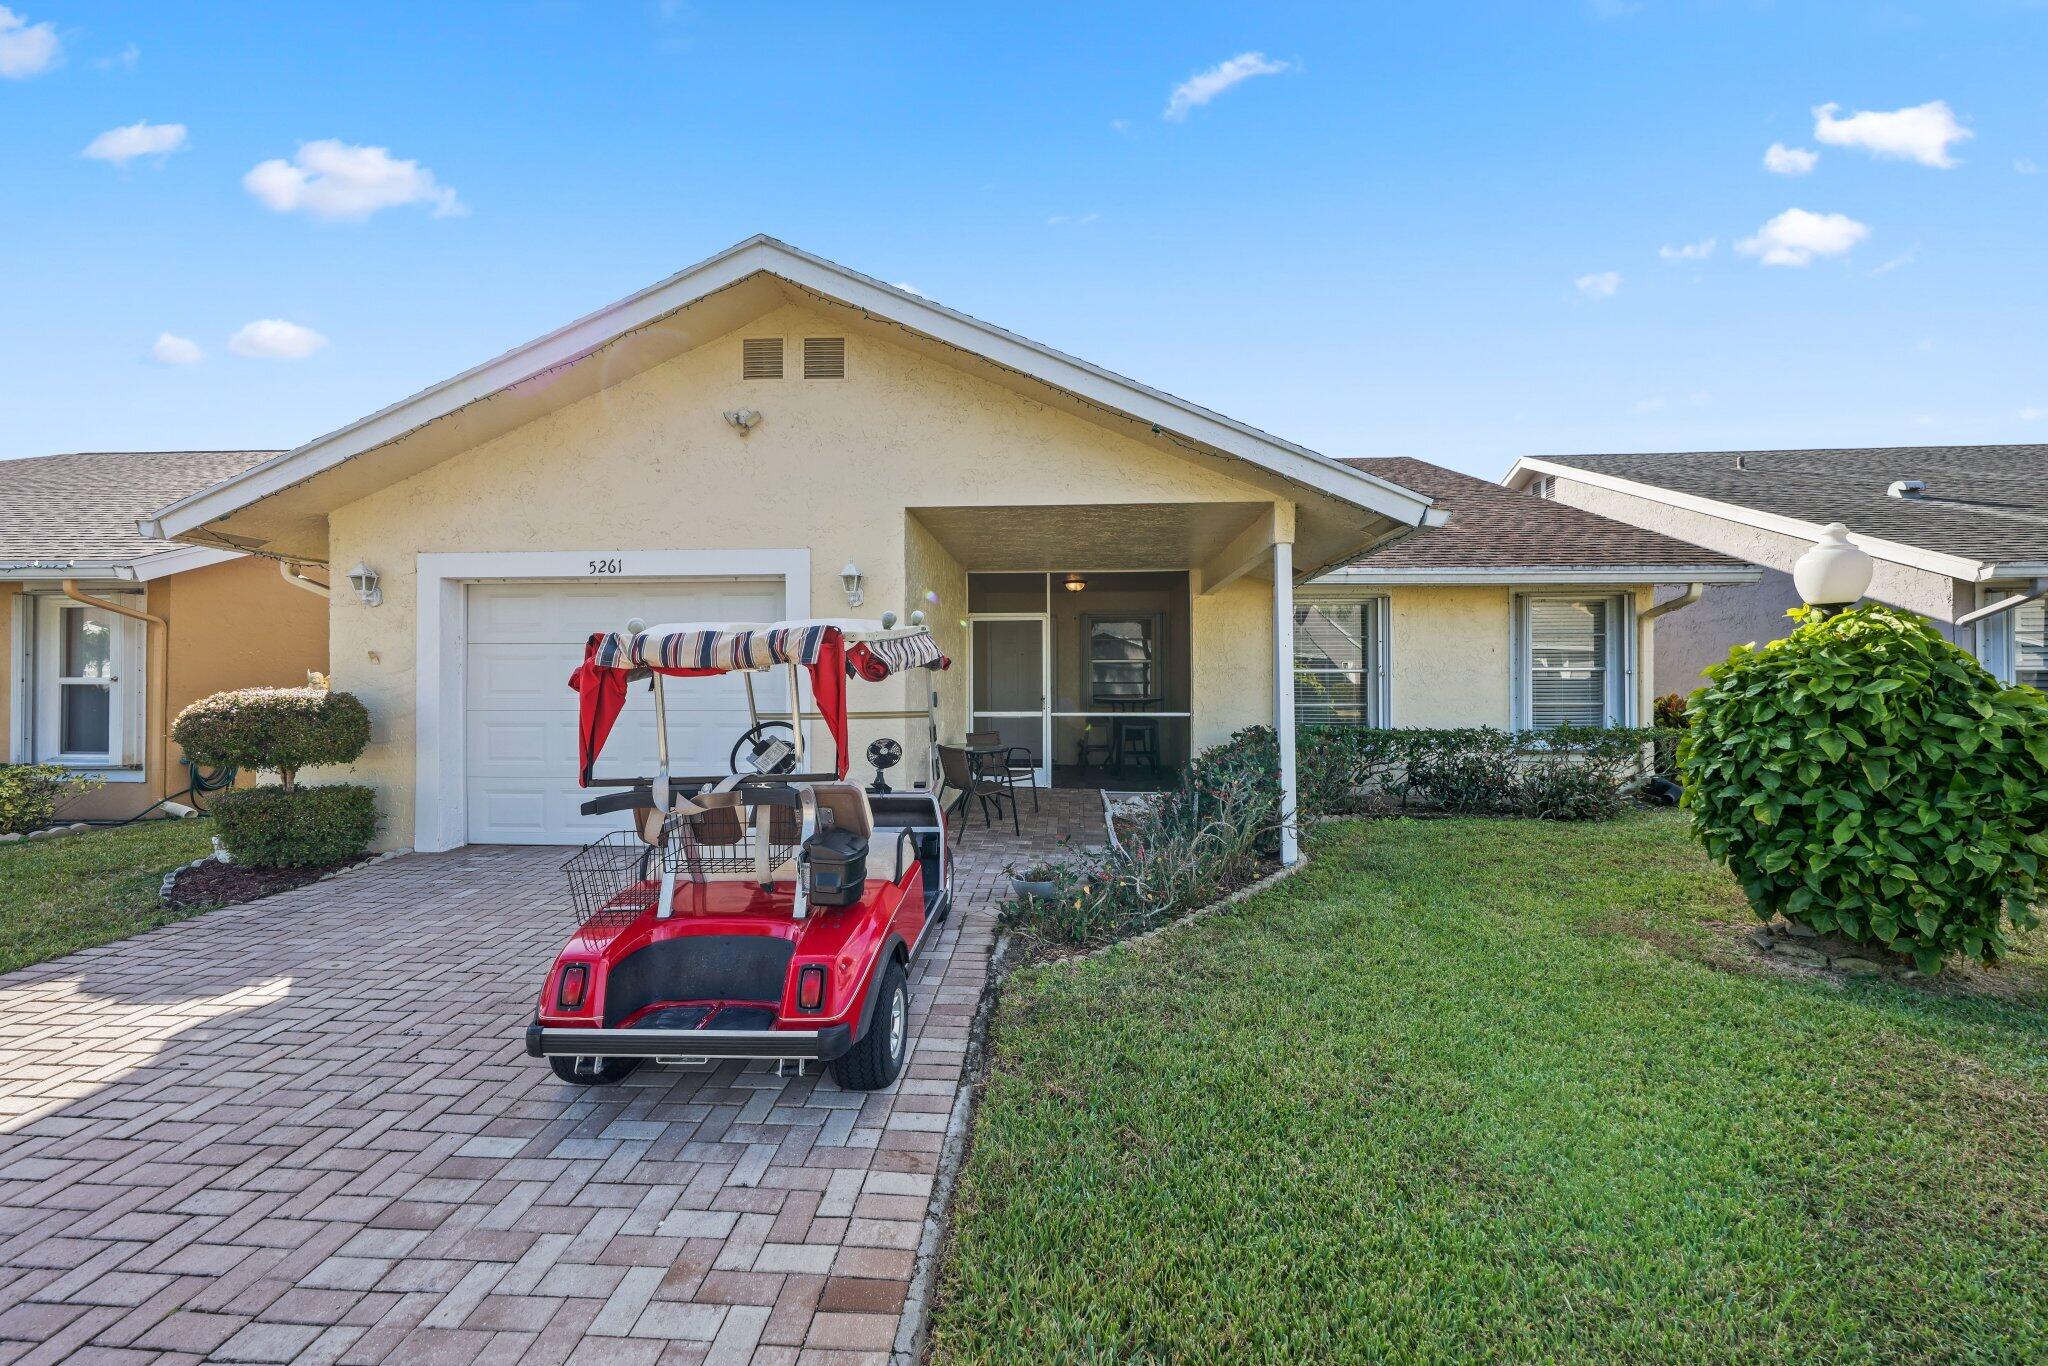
(310, 827)
(30, 795)
(1865, 777)
(284, 729)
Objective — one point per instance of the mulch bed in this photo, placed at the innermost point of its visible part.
(227, 884)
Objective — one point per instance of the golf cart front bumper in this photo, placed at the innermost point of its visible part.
(808, 1045)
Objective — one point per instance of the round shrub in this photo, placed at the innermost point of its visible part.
(273, 728)
(1867, 778)
(310, 827)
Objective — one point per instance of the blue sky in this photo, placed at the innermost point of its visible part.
(1428, 229)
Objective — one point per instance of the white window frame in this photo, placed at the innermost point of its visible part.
(1996, 643)
(38, 643)
(1620, 663)
(1377, 615)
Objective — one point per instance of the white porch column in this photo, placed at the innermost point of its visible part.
(1283, 694)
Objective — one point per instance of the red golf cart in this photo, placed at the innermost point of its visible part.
(767, 912)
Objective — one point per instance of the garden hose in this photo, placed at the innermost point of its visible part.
(198, 783)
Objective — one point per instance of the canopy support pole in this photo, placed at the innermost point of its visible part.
(796, 712)
(661, 803)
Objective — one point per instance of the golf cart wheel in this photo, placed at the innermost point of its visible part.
(878, 1058)
(594, 1072)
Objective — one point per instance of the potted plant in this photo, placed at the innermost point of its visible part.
(1039, 881)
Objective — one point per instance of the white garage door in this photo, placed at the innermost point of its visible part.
(525, 639)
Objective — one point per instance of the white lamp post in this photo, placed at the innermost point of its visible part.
(1835, 573)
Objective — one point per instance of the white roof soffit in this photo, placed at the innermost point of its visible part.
(764, 255)
(1918, 557)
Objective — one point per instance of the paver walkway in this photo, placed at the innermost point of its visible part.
(306, 1129)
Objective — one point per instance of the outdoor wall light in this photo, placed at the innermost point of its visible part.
(1074, 583)
(850, 580)
(743, 420)
(1835, 573)
(364, 580)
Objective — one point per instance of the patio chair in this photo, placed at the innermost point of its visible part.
(955, 771)
(1013, 765)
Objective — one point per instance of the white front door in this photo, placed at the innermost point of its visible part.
(1009, 683)
(525, 639)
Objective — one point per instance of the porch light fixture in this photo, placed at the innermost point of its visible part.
(364, 580)
(743, 420)
(850, 580)
(1835, 573)
(1073, 583)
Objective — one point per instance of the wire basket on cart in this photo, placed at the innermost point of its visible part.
(617, 879)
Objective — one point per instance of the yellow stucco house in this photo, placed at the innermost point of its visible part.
(1119, 575)
(110, 635)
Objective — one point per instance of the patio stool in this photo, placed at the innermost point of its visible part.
(1137, 739)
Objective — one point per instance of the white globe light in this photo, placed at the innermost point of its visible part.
(1834, 573)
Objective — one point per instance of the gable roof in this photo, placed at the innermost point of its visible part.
(1984, 506)
(78, 511)
(1503, 534)
(637, 332)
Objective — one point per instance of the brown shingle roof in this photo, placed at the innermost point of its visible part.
(82, 508)
(1493, 527)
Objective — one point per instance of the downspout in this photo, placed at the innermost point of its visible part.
(289, 572)
(1691, 595)
(2038, 588)
(156, 756)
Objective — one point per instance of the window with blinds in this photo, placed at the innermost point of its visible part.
(1335, 657)
(2030, 644)
(1571, 664)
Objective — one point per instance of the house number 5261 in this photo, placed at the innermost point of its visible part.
(614, 565)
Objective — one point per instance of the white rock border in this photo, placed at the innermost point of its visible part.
(50, 832)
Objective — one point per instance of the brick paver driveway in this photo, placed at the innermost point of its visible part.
(305, 1129)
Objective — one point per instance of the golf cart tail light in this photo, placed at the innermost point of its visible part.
(810, 987)
(575, 982)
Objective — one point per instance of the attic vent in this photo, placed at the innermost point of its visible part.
(761, 358)
(1906, 488)
(824, 358)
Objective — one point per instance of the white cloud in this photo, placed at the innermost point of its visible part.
(1905, 258)
(1204, 86)
(2031, 414)
(1599, 286)
(1070, 220)
(1650, 405)
(123, 145)
(26, 49)
(124, 60)
(1922, 133)
(275, 339)
(172, 349)
(909, 288)
(332, 179)
(1796, 236)
(1689, 251)
(1782, 160)
(2026, 166)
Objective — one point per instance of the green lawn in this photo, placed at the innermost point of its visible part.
(1509, 1089)
(76, 891)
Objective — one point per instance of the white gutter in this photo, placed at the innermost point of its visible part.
(289, 572)
(1898, 552)
(142, 569)
(1547, 574)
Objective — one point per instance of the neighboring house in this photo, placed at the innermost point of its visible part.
(1517, 613)
(84, 685)
(769, 435)
(1959, 534)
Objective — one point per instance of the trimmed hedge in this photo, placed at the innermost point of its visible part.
(307, 827)
(284, 729)
(1865, 777)
(30, 795)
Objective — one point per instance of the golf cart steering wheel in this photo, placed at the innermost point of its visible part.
(769, 747)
